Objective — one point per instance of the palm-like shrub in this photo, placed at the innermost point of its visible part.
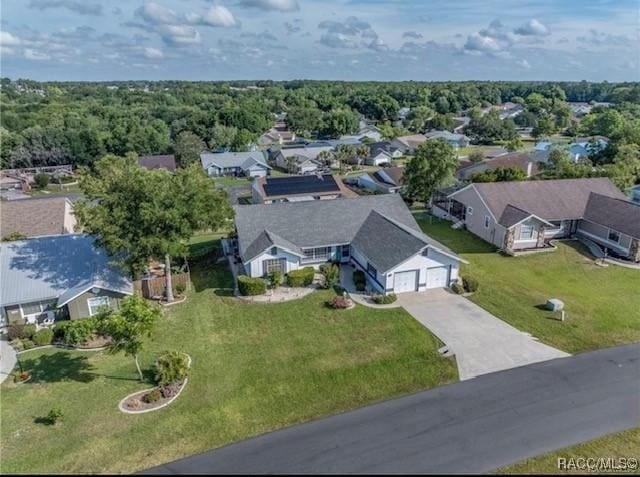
(171, 367)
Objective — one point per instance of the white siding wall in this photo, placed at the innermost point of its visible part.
(475, 220)
(254, 268)
(600, 234)
(422, 263)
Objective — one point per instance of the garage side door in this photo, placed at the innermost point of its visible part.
(405, 281)
(437, 277)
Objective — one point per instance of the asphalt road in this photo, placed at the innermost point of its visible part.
(471, 426)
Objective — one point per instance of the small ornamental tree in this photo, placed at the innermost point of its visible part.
(127, 327)
(171, 367)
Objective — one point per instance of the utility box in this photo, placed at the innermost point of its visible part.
(553, 304)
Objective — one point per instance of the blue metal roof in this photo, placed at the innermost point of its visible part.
(58, 267)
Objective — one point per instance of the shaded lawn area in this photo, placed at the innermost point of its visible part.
(621, 445)
(602, 304)
(255, 368)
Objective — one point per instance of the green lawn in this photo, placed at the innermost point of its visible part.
(255, 368)
(621, 445)
(602, 304)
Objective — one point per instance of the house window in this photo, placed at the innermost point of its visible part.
(486, 221)
(526, 232)
(345, 251)
(274, 264)
(37, 307)
(274, 250)
(470, 210)
(96, 302)
(320, 254)
(372, 270)
(613, 236)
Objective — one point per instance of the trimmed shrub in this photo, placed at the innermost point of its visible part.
(59, 330)
(29, 331)
(340, 303)
(470, 284)
(180, 288)
(384, 299)
(251, 286)
(152, 396)
(359, 280)
(275, 279)
(43, 337)
(457, 288)
(170, 390)
(171, 367)
(41, 180)
(15, 332)
(301, 278)
(55, 414)
(77, 332)
(27, 344)
(331, 273)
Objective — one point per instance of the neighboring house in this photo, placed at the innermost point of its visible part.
(376, 234)
(366, 133)
(300, 160)
(453, 139)
(382, 153)
(634, 194)
(614, 224)
(64, 276)
(408, 144)
(509, 110)
(584, 148)
(279, 134)
(271, 190)
(460, 123)
(525, 215)
(249, 164)
(165, 161)
(526, 162)
(403, 113)
(37, 217)
(386, 181)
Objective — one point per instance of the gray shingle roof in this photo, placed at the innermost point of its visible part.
(512, 215)
(549, 200)
(164, 161)
(60, 267)
(34, 217)
(319, 223)
(617, 214)
(232, 159)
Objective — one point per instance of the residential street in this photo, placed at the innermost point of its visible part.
(472, 426)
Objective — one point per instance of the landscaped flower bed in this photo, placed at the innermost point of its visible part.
(171, 374)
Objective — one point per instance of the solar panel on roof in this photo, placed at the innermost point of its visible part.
(300, 185)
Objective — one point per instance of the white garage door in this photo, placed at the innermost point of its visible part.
(405, 281)
(437, 277)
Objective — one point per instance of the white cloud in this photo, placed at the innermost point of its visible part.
(152, 53)
(157, 14)
(279, 5)
(31, 54)
(218, 16)
(523, 63)
(179, 34)
(532, 28)
(481, 43)
(8, 39)
(80, 7)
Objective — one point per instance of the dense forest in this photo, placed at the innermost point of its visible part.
(77, 123)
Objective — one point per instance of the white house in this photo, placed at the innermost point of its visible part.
(249, 164)
(376, 234)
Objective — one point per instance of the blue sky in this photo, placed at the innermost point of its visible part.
(321, 39)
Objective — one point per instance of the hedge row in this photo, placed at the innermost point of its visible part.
(251, 286)
(301, 278)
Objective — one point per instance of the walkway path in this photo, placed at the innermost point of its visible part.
(7, 359)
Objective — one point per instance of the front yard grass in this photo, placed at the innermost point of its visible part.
(620, 445)
(602, 304)
(255, 368)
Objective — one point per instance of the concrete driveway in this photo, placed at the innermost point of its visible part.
(481, 342)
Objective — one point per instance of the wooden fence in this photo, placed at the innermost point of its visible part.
(154, 287)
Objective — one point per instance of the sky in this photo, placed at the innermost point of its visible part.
(380, 40)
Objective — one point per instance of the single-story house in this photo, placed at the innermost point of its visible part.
(376, 234)
(382, 153)
(386, 181)
(584, 148)
(408, 144)
(453, 139)
(279, 134)
(366, 132)
(37, 217)
(300, 160)
(526, 215)
(249, 164)
(164, 161)
(509, 110)
(271, 190)
(526, 162)
(64, 276)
